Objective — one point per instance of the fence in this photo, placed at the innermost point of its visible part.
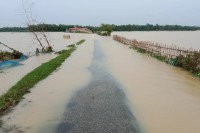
(157, 48)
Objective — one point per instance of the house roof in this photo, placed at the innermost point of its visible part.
(75, 28)
(80, 29)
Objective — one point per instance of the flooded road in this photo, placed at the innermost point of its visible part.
(105, 85)
(164, 99)
(25, 43)
(100, 107)
(41, 110)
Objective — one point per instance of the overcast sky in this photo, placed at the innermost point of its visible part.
(95, 12)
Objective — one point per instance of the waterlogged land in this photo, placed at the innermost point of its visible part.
(106, 87)
(9, 77)
(99, 107)
(187, 39)
(45, 104)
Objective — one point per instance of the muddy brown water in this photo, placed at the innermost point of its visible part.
(10, 76)
(162, 98)
(186, 39)
(25, 43)
(99, 107)
(42, 109)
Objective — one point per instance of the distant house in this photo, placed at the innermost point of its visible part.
(79, 30)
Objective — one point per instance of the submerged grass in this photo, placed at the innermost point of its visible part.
(156, 56)
(189, 63)
(75, 44)
(140, 50)
(71, 46)
(16, 93)
(80, 42)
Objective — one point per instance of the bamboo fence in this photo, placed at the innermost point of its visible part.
(157, 48)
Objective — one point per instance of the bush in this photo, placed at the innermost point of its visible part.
(190, 62)
(141, 50)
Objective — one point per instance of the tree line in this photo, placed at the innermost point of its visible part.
(13, 29)
(62, 28)
(150, 27)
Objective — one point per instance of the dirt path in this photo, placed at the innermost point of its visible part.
(100, 107)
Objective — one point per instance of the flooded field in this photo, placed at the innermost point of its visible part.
(106, 85)
(43, 108)
(186, 39)
(10, 76)
(25, 43)
(163, 98)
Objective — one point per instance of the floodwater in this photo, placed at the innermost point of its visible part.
(161, 98)
(10, 76)
(42, 109)
(186, 39)
(99, 107)
(164, 99)
(25, 43)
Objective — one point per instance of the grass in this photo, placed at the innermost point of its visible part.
(160, 58)
(182, 62)
(71, 46)
(16, 93)
(156, 56)
(80, 42)
(140, 50)
(190, 63)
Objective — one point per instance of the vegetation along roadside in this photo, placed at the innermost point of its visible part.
(184, 58)
(189, 62)
(23, 86)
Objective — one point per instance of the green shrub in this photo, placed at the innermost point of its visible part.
(190, 62)
(23, 86)
(141, 50)
(80, 42)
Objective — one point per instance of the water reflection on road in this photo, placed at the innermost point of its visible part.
(164, 99)
(101, 106)
(160, 98)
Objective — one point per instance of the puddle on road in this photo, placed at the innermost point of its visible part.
(42, 109)
(164, 99)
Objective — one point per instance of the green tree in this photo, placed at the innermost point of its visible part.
(107, 27)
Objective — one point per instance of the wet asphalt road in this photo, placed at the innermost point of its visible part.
(99, 107)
